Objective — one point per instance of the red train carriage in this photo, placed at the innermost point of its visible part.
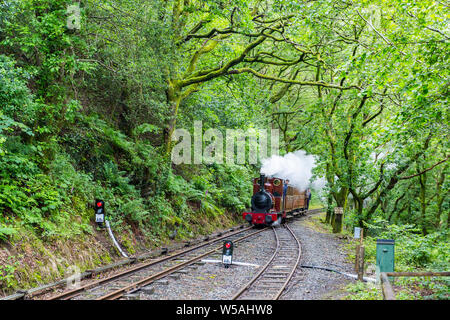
(269, 205)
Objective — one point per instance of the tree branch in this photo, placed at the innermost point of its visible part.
(302, 83)
(426, 170)
(394, 179)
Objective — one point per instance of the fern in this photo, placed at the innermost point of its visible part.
(6, 232)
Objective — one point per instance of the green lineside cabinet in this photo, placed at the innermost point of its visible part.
(385, 255)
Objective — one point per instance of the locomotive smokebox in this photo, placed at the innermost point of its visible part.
(261, 200)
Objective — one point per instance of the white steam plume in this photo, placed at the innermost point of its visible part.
(296, 166)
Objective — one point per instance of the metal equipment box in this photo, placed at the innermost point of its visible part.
(385, 256)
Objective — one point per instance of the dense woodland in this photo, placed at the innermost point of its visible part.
(90, 112)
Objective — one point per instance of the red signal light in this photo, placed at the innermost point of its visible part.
(99, 204)
(227, 245)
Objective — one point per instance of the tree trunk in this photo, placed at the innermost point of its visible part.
(341, 201)
(360, 215)
(423, 204)
(174, 98)
(337, 225)
(443, 221)
(329, 208)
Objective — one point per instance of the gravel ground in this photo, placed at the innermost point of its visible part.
(212, 281)
(318, 249)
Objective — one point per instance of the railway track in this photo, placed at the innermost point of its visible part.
(132, 280)
(275, 275)
(135, 278)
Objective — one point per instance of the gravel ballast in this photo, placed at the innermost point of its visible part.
(211, 280)
(323, 250)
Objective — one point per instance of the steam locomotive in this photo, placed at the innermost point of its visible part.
(269, 206)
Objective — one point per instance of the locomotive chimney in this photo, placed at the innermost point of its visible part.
(262, 178)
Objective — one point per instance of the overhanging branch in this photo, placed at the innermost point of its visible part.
(298, 82)
(426, 170)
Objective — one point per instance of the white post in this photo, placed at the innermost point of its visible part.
(114, 239)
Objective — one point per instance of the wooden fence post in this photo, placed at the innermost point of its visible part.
(361, 263)
(388, 292)
(357, 234)
(357, 258)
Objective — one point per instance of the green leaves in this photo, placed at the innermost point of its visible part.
(145, 128)
(6, 231)
(42, 37)
(16, 100)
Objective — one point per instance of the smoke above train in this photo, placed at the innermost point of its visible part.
(296, 166)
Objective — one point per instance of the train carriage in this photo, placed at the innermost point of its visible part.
(295, 199)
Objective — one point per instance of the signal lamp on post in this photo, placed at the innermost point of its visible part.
(227, 253)
(99, 209)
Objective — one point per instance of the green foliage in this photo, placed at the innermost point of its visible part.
(412, 249)
(16, 101)
(6, 231)
(439, 287)
(7, 278)
(363, 291)
(40, 26)
(15, 97)
(413, 252)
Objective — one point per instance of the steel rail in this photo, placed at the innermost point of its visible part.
(137, 285)
(77, 291)
(297, 262)
(143, 282)
(266, 266)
